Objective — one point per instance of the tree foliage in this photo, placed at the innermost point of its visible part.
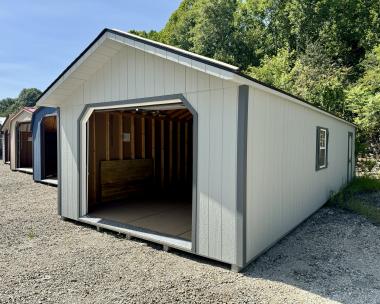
(363, 98)
(26, 98)
(321, 50)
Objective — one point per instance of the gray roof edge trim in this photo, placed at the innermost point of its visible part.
(177, 51)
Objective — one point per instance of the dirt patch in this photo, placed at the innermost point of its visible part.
(334, 256)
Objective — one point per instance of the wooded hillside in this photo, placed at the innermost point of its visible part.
(325, 51)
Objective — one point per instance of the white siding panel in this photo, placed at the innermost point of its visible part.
(149, 75)
(229, 175)
(133, 74)
(159, 84)
(191, 80)
(140, 74)
(179, 78)
(115, 76)
(283, 187)
(215, 174)
(131, 56)
(169, 77)
(203, 172)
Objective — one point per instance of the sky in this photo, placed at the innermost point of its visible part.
(40, 38)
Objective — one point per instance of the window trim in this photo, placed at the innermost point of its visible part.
(319, 148)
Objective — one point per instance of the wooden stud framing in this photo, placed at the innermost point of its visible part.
(132, 137)
(170, 151)
(107, 136)
(162, 153)
(154, 145)
(94, 177)
(178, 150)
(186, 148)
(120, 137)
(142, 137)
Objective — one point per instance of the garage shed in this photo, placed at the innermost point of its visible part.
(179, 149)
(21, 141)
(5, 132)
(45, 147)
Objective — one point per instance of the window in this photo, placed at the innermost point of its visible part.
(322, 148)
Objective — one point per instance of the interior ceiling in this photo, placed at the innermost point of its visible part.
(175, 114)
(50, 124)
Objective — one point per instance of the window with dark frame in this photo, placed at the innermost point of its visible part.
(322, 148)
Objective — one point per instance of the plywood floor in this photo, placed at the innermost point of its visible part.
(167, 217)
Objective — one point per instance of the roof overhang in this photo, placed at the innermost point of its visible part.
(27, 112)
(111, 41)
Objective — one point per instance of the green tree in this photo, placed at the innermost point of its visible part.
(275, 70)
(212, 34)
(178, 31)
(319, 80)
(364, 98)
(26, 98)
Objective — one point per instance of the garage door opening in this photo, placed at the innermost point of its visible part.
(24, 147)
(49, 149)
(140, 166)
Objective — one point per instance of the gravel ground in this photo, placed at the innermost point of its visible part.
(333, 256)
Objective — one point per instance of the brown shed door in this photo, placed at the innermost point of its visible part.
(25, 145)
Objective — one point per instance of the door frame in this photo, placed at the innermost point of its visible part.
(165, 100)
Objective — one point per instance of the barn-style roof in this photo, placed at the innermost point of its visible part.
(110, 41)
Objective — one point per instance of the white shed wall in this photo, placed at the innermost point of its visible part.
(283, 187)
(132, 73)
(22, 117)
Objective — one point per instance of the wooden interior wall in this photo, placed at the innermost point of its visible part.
(164, 136)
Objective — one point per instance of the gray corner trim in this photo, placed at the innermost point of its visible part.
(241, 186)
(156, 100)
(350, 162)
(317, 167)
(59, 168)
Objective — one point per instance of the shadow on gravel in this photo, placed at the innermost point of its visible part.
(335, 254)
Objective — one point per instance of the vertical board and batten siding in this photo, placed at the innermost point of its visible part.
(283, 186)
(132, 73)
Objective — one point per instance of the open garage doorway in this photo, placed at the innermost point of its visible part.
(140, 170)
(24, 147)
(49, 149)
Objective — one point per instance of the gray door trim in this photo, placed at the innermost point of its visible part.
(156, 100)
(59, 168)
(241, 182)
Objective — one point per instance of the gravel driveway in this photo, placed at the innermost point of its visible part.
(334, 256)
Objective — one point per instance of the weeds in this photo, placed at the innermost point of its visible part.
(31, 235)
(350, 197)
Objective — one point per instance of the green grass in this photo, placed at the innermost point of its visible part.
(349, 198)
